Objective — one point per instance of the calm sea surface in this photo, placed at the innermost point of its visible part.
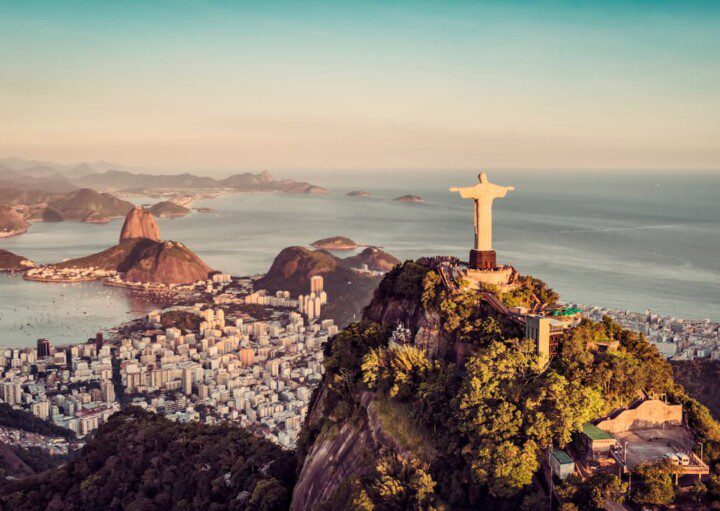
(632, 240)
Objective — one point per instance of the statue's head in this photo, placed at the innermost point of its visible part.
(482, 177)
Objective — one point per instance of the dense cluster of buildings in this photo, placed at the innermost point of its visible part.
(214, 362)
(27, 440)
(260, 373)
(71, 386)
(55, 274)
(681, 339)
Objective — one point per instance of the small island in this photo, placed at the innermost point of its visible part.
(358, 193)
(410, 198)
(205, 210)
(168, 209)
(335, 243)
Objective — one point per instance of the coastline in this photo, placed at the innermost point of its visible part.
(5, 234)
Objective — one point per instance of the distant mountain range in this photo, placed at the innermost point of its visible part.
(32, 190)
(23, 174)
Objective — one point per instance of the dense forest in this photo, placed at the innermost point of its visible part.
(141, 461)
(474, 435)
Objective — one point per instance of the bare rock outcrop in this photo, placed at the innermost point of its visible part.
(140, 223)
(334, 458)
(167, 262)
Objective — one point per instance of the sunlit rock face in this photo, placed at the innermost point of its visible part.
(140, 223)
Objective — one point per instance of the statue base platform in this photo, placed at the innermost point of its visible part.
(501, 277)
(482, 259)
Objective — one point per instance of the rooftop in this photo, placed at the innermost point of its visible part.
(595, 433)
(562, 457)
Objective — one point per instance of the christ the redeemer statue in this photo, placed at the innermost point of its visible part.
(483, 194)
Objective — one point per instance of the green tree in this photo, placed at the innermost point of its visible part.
(397, 370)
(362, 502)
(398, 483)
(653, 483)
(535, 502)
(510, 410)
(601, 488)
(269, 495)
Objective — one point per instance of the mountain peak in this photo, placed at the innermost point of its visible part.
(140, 223)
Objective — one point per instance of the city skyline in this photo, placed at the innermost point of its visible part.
(216, 86)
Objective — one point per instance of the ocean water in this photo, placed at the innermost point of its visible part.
(631, 240)
(64, 313)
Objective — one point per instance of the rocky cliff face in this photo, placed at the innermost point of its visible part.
(345, 450)
(334, 458)
(425, 325)
(139, 223)
(167, 262)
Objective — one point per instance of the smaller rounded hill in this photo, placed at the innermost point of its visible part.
(168, 209)
(358, 193)
(375, 259)
(335, 243)
(409, 198)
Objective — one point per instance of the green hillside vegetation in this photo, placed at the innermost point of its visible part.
(141, 461)
(529, 288)
(489, 422)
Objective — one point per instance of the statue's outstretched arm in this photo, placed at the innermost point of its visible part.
(455, 189)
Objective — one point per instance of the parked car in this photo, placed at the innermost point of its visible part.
(672, 457)
(684, 458)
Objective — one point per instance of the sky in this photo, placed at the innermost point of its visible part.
(212, 86)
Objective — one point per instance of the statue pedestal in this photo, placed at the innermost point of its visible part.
(482, 259)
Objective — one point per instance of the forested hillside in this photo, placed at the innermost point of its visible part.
(141, 461)
(447, 404)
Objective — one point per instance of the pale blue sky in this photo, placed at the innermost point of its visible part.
(362, 85)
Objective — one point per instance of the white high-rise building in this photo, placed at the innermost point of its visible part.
(316, 284)
(108, 391)
(187, 380)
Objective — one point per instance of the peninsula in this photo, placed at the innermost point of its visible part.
(10, 262)
(140, 260)
(12, 223)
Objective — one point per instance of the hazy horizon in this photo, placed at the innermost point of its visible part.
(212, 87)
(344, 173)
